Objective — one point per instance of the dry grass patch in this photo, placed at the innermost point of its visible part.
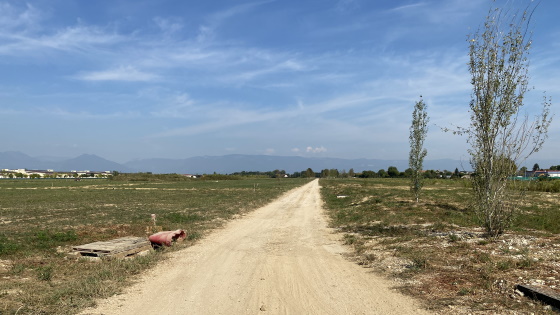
(435, 251)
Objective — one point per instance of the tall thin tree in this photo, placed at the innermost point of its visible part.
(418, 132)
(500, 136)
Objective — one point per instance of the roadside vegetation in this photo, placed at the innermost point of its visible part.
(436, 249)
(501, 134)
(418, 132)
(40, 221)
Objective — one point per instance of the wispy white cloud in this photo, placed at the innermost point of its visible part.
(209, 118)
(218, 117)
(408, 7)
(83, 39)
(431, 19)
(207, 31)
(62, 113)
(377, 101)
(168, 25)
(122, 73)
(79, 36)
(220, 61)
(435, 11)
(14, 18)
(320, 149)
(289, 65)
(205, 34)
(544, 75)
(179, 106)
(23, 30)
(220, 17)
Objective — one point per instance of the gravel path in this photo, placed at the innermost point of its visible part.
(279, 259)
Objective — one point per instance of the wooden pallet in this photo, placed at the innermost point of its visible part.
(117, 248)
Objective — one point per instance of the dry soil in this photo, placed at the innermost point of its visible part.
(279, 259)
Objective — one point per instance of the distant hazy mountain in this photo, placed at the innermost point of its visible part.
(92, 163)
(226, 164)
(16, 160)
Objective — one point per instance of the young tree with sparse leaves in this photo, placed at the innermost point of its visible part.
(500, 136)
(418, 132)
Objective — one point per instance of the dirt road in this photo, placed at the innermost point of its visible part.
(280, 259)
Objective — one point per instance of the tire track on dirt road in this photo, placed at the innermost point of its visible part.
(279, 259)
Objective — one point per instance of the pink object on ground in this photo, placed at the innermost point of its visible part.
(167, 237)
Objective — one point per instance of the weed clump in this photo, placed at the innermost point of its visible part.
(7, 246)
(45, 273)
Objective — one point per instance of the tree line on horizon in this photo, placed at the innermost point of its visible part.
(391, 172)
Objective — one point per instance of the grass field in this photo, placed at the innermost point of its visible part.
(436, 250)
(41, 219)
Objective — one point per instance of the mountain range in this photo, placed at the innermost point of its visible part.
(225, 164)
(18, 160)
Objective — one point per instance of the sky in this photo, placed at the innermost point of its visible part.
(136, 79)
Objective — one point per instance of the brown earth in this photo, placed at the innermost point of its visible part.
(279, 259)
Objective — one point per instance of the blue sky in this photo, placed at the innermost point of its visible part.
(315, 78)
